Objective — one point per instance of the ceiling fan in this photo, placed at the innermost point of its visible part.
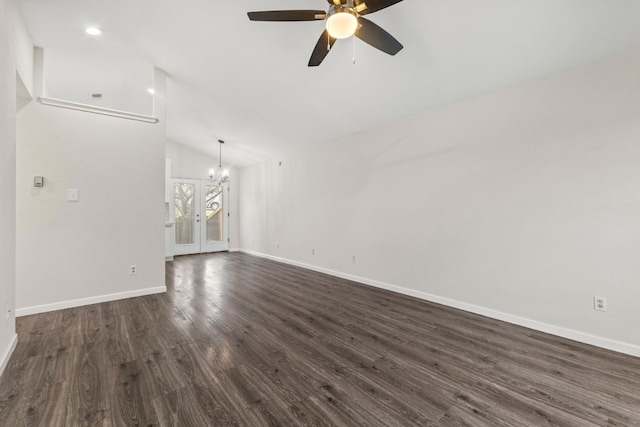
(344, 19)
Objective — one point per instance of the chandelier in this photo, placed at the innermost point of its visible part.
(219, 176)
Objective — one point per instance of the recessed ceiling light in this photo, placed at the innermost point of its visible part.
(151, 91)
(93, 31)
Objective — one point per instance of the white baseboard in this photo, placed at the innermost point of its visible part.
(7, 355)
(26, 311)
(609, 344)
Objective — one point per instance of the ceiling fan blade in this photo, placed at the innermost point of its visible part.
(325, 43)
(377, 37)
(376, 5)
(288, 15)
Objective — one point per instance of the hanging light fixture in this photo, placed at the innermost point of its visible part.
(219, 176)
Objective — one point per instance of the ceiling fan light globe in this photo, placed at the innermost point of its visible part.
(342, 25)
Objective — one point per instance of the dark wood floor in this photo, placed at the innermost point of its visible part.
(238, 340)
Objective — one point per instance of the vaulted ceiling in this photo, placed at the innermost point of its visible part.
(248, 82)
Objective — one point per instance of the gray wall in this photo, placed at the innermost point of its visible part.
(13, 68)
(521, 205)
(78, 253)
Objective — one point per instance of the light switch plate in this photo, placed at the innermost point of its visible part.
(72, 195)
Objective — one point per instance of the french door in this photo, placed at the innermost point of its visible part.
(201, 216)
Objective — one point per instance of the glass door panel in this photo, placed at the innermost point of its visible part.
(215, 226)
(184, 211)
(187, 217)
(213, 211)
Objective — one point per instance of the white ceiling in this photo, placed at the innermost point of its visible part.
(248, 82)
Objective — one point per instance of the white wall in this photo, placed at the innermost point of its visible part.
(521, 205)
(192, 164)
(23, 51)
(72, 254)
(14, 39)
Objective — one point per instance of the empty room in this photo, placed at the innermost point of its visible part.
(320, 212)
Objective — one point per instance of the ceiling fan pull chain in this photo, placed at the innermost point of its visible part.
(354, 49)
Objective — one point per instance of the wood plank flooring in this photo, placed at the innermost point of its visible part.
(239, 340)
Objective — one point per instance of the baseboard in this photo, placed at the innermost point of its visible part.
(235, 250)
(26, 311)
(7, 355)
(606, 343)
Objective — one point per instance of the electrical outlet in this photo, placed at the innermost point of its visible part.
(600, 303)
(134, 269)
(354, 259)
(313, 251)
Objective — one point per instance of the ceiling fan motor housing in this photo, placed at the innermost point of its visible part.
(347, 7)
